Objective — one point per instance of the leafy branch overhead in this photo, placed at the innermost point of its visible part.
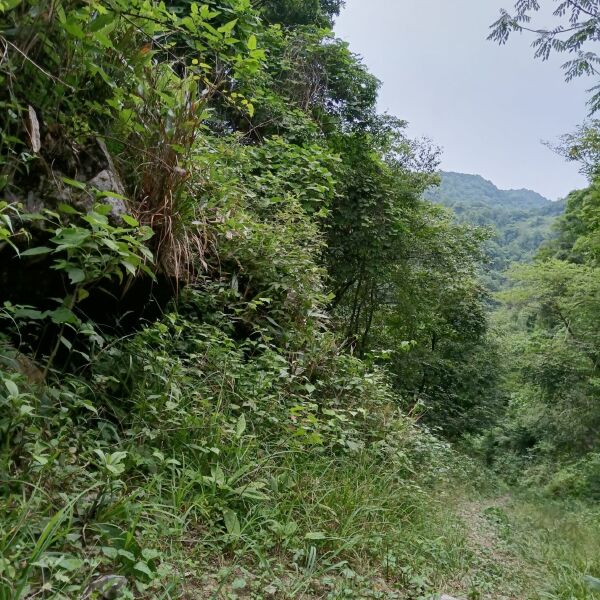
(575, 31)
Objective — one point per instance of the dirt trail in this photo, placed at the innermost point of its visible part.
(496, 572)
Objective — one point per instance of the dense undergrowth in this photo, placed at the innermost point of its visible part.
(185, 453)
(230, 324)
(190, 273)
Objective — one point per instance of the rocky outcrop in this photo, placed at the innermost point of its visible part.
(105, 181)
(95, 180)
(79, 173)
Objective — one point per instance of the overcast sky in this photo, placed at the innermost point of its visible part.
(489, 107)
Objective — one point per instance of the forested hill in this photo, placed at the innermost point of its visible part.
(463, 190)
(241, 358)
(522, 219)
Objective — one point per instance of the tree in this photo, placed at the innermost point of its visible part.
(575, 36)
(300, 12)
(553, 326)
(582, 146)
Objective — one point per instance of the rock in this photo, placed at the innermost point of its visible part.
(13, 360)
(29, 369)
(108, 586)
(446, 597)
(106, 179)
(95, 171)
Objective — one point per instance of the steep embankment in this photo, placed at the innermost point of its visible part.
(228, 156)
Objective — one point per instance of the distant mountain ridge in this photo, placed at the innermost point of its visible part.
(522, 218)
(462, 187)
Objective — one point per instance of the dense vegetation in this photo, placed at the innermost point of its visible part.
(520, 220)
(551, 322)
(237, 344)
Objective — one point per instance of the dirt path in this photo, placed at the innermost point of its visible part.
(496, 572)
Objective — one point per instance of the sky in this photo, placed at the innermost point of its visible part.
(489, 107)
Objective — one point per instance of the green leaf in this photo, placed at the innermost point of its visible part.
(239, 583)
(6, 5)
(24, 312)
(102, 21)
(72, 27)
(252, 43)
(73, 183)
(126, 554)
(41, 460)
(63, 315)
(129, 267)
(104, 194)
(76, 275)
(147, 253)
(71, 564)
(315, 535)
(26, 409)
(117, 457)
(142, 567)
(66, 343)
(150, 554)
(228, 27)
(109, 552)
(241, 426)
(111, 244)
(251, 493)
(68, 209)
(37, 251)
(218, 474)
(130, 221)
(12, 388)
(232, 523)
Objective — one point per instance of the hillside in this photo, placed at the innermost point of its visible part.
(522, 219)
(242, 359)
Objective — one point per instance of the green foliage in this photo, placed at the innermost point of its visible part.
(521, 220)
(562, 538)
(405, 280)
(8, 212)
(149, 100)
(214, 434)
(249, 436)
(558, 302)
(583, 147)
(551, 324)
(446, 366)
(579, 241)
(580, 27)
(95, 250)
(300, 12)
(85, 251)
